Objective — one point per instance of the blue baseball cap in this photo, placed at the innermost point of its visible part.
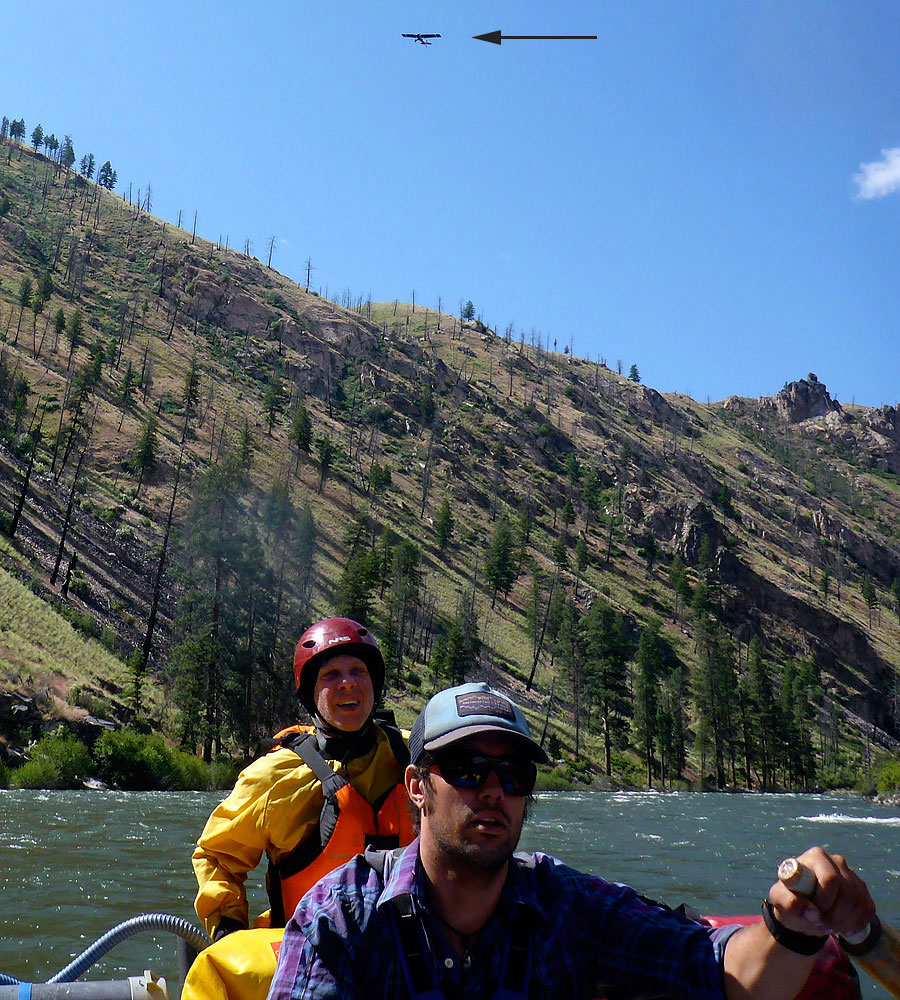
(467, 710)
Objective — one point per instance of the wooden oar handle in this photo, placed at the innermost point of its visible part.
(799, 879)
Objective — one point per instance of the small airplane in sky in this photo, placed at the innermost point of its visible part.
(420, 37)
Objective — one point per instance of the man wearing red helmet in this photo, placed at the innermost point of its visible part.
(320, 797)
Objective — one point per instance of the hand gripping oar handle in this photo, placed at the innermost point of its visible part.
(875, 949)
(800, 880)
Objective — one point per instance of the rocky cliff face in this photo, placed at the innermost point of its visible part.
(803, 400)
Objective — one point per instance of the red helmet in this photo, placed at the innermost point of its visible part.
(328, 638)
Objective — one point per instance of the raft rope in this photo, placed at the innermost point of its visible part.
(121, 932)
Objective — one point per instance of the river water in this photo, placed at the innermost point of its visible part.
(73, 864)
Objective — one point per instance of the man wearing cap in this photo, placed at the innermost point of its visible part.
(457, 914)
(320, 796)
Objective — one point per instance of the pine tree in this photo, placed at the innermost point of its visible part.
(143, 457)
(126, 387)
(427, 404)
(190, 394)
(649, 666)
(455, 655)
(573, 468)
(301, 430)
(523, 535)
(679, 580)
(106, 176)
(67, 155)
(763, 713)
(355, 588)
(327, 451)
(714, 695)
(74, 331)
(245, 447)
(443, 525)
(634, 374)
(499, 564)
(607, 652)
(304, 556)
(25, 293)
(225, 618)
(59, 327)
(273, 401)
(570, 646)
(869, 594)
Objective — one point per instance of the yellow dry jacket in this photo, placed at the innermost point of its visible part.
(275, 807)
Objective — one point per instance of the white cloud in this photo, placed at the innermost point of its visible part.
(875, 180)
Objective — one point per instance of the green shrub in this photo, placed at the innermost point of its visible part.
(4, 775)
(79, 587)
(887, 780)
(84, 697)
(194, 774)
(57, 760)
(557, 780)
(223, 773)
(130, 760)
(141, 763)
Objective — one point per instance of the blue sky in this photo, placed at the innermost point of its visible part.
(709, 190)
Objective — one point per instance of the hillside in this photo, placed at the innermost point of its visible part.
(292, 437)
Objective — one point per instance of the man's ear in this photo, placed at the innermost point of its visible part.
(415, 786)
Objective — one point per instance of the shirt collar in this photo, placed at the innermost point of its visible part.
(405, 878)
(401, 879)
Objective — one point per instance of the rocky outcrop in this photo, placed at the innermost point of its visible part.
(882, 437)
(680, 524)
(654, 407)
(803, 400)
(20, 717)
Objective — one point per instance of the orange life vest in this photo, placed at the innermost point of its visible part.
(347, 824)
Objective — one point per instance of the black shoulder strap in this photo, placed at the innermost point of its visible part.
(419, 977)
(519, 957)
(306, 748)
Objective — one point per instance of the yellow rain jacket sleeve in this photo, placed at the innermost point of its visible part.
(274, 806)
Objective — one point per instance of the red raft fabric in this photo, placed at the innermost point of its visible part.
(833, 976)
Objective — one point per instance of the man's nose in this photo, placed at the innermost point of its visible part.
(492, 787)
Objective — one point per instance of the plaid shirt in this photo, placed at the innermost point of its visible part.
(591, 938)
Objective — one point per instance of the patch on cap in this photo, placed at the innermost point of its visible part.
(484, 703)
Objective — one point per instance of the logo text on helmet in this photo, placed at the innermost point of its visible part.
(338, 638)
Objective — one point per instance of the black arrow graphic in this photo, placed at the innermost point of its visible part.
(496, 37)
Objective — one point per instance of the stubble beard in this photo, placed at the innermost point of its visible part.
(476, 856)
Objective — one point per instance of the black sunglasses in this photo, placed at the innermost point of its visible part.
(516, 777)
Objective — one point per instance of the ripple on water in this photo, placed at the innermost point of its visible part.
(841, 818)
